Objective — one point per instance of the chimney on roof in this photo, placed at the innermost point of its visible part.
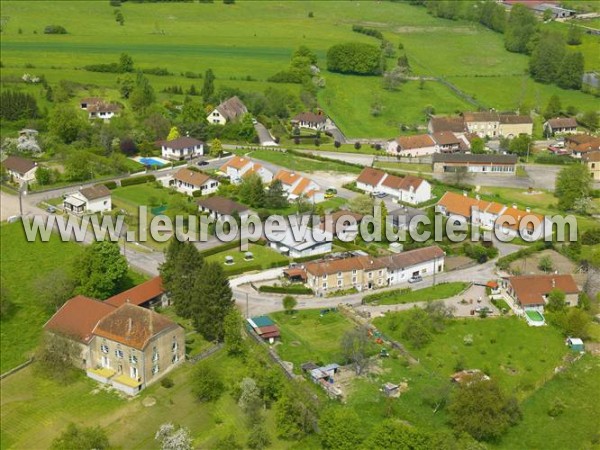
(514, 205)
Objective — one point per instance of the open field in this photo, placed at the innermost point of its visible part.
(399, 296)
(403, 167)
(308, 336)
(299, 163)
(261, 36)
(35, 410)
(263, 257)
(22, 264)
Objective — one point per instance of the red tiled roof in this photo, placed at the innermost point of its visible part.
(78, 317)
(139, 294)
(417, 141)
(454, 124)
(370, 176)
(327, 267)
(445, 138)
(192, 177)
(481, 116)
(287, 177)
(237, 162)
(133, 325)
(531, 289)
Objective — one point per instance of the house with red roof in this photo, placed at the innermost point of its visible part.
(297, 186)
(187, 181)
(240, 167)
(532, 291)
(408, 189)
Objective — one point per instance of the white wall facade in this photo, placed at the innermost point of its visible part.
(425, 269)
(215, 117)
(188, 152)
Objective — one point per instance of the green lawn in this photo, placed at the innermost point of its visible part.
(263, 257)
(35, 410)
(577, 427)
(308, 336)
(22, 264)
(399, 296)
(300, 163)
(404, 167)
(140, 194)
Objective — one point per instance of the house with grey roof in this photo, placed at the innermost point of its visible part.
(230, 110)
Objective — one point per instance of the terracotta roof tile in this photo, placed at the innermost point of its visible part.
(412, 257)
(481, 116)
(417, 141)
(454, 124)
(286, 177)
(237, 162)
(445, 138)
(530, 289)
(563, 122)
(139, 294)
(370, 176)
(192, 177)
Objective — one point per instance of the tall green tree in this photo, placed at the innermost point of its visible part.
(212, 298)
(570, 73)
(340, 428)
(100, 270)
(553, 108)
(208, 88)
(520, 145)
(296, 412)
(142, 95)
(276, 197)
(574, 35)
(393, 433)
(590, 120)
(232, 329)
(182, 265)
(547, 57)
(573, 183)
(556, 301)
(480, 408)
(520, 28)
(125, 63)
(252, 191)
(81, 438)
(289, 303)
(66, 123)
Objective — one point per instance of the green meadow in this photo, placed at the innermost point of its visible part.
(256, 38)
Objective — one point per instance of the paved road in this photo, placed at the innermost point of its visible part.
(264, 136)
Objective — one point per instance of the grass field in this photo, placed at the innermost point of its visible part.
(260, 37)
(301, 164)
(36, 410)
(22, 264)
(403, 167)
(438, 292)
(308, 336)
(263, 256)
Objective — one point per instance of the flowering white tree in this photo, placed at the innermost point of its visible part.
(173, 438)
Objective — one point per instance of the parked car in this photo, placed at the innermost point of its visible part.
(330, 193)
(203, 163)
(379, 194)
(254, 121)
(415, 279)
(51, 209)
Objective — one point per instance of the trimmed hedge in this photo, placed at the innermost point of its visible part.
(296, 290)
(220, 248)
(137, 180)
(239, 270)
(110, 184)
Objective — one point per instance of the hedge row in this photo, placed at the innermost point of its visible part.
(110, 184)
(297, 290)
(242, 269)
(220, 248)
(504, 262)
(322, 158)
(137, 180)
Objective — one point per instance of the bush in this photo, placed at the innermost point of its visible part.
(297, 290)
(357, 145)
(197, 193)
(337, 144)
(110, 184)
(368, 31)
(107, 68)
(167, 382)
(137, 180)
(219, 249)
(355, 58)
(159, 71)
(55, 29)
(505, 262)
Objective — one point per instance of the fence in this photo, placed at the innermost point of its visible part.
(16, 369)
(206, 353)
(287, 370)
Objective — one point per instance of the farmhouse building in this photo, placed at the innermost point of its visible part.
(446, 124)
(310, 120)
(125, 345)
(230, 110)
(93, 199)
(414, 146)
(447, 142)
(513, 125)
(531, 291)
(218, 207)
(359, 272)
(182, 148)
(419, 262)
(560, 125)
(149, 294)
(187, 181)
(589, 146)
(592, 159)
(483, 123)
(20, 170)
(97, 108)
(239, 167)
(475, 163)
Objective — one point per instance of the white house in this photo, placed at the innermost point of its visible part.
(229, 110)
(560, 125)
(187, 181)
(218, 207)
(238, 167)
(422, 262)
(313, 241)
(21, 170)
(97, 108)
(407, 189)
(310, 120)
(296, 186)
(93, 199)
(182, 148)
(418, 145)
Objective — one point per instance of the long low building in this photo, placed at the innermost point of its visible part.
(368, 272)
(475, 163)
(409, 189)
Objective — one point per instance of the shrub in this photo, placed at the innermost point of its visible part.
(357, 145)
(337, 144)
(167, 382)
(110, 184)
(137, 180)
(55, 29)
(297, 290)
(368, 31)
(159, 71)
(219, 249)
(355, 58)
(197, 193)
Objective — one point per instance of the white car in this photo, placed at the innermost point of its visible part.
(254, 121)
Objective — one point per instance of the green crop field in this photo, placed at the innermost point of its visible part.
(22, 264)
(255, 39)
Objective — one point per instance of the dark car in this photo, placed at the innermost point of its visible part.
(203, 163)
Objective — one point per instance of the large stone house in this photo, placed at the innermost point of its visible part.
(531, 291)
(149, 294)
(182, 148)
(512, 125)
(230, 110)
(482, 123)
(592, 159)
(21, 170)
(187, 181)
(92, 199)
(120, 343)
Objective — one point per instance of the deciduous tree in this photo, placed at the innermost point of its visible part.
(357, 348)
(232, 328)
(289, 303)
(81, 438)
(100, 270)
(340, 428)
(572, 183)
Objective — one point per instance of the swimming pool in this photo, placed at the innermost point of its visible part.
(151, 162)
(534, 318)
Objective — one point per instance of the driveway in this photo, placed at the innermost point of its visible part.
(264, 136)
(542, 176)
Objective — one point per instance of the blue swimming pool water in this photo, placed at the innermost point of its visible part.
(151, 162)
